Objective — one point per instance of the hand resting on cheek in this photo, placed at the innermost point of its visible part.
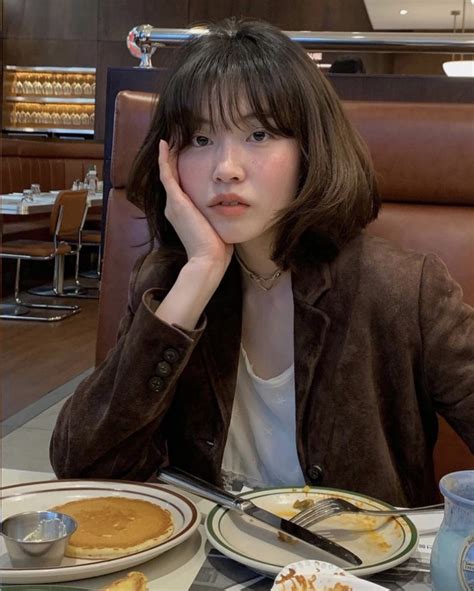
(201, 241)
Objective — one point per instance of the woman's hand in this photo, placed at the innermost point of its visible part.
(202, 243)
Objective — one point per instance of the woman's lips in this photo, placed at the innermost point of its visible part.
(229, 204)
(230, 209)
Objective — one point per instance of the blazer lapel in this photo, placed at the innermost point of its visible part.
(221, 340)
(310, 330)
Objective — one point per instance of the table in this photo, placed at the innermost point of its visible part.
(11, 203)
(177, 569)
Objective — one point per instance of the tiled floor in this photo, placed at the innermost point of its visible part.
(26, 436)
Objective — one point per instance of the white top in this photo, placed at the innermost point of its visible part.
(261, 444)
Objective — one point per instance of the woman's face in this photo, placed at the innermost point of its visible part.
(240, 178)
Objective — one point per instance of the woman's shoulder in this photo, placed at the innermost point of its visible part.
(386, 268)
(379, 253)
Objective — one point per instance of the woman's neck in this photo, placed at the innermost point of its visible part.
(259, 273)
(256, 256)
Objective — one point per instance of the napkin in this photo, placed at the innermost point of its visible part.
(314, 575)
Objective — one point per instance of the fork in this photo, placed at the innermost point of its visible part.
(329, 507)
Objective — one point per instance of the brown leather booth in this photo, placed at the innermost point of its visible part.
(421, 154)
(53, 164)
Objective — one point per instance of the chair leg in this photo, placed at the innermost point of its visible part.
(99, 261)
(76, 270)
(55, 291)
(94, 274)
(16, 310)
(22, 310)
(58, 277)
(80, 291)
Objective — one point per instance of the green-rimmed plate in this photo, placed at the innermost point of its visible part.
(381, 542)
(38, 588)
(40, 496)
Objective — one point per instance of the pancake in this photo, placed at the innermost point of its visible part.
(109, 527)
(134, 581)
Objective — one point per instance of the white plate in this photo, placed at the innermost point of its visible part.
(43, 495)
(381, 543)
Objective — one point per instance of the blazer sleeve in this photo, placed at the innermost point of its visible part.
(447, 328)
(110, 427)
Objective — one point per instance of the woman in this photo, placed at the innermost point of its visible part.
(269, 341)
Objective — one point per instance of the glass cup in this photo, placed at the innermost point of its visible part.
(37, 87)
(57, 88)
(48, 88)
(35, 190)
(77, 88)
(27, 195)
(452, 557)
(67, 88)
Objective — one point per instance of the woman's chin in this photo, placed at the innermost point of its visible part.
(234, 237)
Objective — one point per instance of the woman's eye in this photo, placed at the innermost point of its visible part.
(260, 136)
(200, 141)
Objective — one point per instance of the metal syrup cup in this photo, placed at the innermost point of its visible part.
(37, 538)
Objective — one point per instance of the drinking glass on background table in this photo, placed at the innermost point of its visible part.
(25, 200)
(27, 195)
(35, 190)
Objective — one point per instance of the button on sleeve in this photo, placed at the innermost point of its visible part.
(163, 369)
(156, 384)
(170, 355)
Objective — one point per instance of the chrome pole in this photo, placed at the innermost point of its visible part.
(143, 40)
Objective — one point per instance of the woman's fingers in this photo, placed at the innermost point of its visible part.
(175, 198)
(167, 162)
(196, 233)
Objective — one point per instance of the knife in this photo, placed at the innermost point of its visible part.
(222, 497)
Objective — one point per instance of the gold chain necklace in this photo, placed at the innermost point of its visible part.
(265, 283)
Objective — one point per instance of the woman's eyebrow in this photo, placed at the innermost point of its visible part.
(245, 118)
(251, 117)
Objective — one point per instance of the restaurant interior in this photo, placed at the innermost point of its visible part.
(77, 96)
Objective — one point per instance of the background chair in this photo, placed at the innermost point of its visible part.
(420, 156)
(67, 219)
(87, 238)
(91, 237)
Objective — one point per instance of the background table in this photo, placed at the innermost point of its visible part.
(11, 204)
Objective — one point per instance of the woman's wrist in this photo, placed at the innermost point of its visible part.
(205, 269)
(194, 287)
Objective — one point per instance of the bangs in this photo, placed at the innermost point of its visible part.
(225, 89)
(248, 69)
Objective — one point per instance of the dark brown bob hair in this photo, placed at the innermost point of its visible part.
(252, 64)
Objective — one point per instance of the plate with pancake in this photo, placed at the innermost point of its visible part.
(381, 542)
(120, 524)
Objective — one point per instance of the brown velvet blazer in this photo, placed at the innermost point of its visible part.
(382, 342)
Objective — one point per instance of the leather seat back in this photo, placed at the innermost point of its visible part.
(55, 165)
(420, 153)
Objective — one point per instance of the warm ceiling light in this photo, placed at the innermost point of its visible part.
(464, 68)
(403, 11)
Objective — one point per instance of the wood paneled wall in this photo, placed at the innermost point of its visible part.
(93, 32)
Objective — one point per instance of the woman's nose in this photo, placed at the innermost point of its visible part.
(229, 166)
